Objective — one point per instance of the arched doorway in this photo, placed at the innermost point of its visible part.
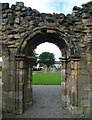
(23, 55)
(20, 67)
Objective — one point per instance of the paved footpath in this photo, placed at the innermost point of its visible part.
(46, 103)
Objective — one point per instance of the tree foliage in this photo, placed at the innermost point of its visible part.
(35, 55)
(46, 58)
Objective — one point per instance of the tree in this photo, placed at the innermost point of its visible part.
(35, 58)
(46, 58)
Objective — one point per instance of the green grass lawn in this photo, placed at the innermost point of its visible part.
(42, 78)
(48, 78)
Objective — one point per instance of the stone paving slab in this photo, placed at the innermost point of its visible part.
(46, 103)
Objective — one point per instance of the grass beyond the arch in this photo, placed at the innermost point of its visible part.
(46, 78)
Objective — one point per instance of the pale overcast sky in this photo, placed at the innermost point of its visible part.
(50, 6)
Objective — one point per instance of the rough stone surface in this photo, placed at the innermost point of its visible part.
(23, 29)
(5, 6)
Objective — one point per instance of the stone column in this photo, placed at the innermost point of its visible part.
(74, 74)
(87, 88)
(90, 64)
(23, 86)
(64, 80)
(74, 83)
(29, 81)
(90, 77)
(20, 83)
(8, 87)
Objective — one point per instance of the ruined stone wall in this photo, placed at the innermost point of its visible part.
(19, 26)
(18, 21)
(83, 35)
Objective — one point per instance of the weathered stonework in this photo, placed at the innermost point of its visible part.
(22, 29)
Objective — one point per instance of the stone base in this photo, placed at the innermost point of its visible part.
(77, 111)
(80, 111)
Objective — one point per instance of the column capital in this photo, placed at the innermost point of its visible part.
(31, 58)
(64, 59)
(75, 58)
(24, 57)
(20, 57)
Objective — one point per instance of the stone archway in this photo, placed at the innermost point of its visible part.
(24, 55)
(22, 30)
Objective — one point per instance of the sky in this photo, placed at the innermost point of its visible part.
(49, 6)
